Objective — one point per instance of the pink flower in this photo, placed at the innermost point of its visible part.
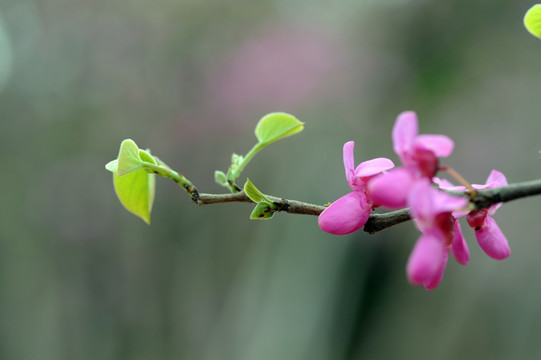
(488, 234)
(351, 211)
(418, 153)
(432, 211)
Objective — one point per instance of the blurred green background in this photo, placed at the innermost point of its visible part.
(81, 278)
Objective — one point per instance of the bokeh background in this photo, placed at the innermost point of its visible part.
(81, 278)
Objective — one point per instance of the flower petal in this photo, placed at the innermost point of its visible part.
(421, 201)
(426, 203)
(391, 190)
(345, 215)
(440, 145)
(404, 132)
(459, 246)
(433, 283)
(492, 240)
(444, 184)
(349, 159)
(425, 260)
(497, 178)
(349, 162)
(373, 167)
(444, 202)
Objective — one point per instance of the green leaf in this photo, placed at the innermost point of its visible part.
(128, 157)
(145, 156)
(220, 178)
(262, 211)
(254, 194)
(112, 166)
(275, 126)
(135, 190)
(532, 20)
(236, 159)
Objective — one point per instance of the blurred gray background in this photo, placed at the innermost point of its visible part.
(81, 278)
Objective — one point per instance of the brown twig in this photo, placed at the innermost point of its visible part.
(377, 222)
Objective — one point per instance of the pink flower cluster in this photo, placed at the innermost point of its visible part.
(435, 212)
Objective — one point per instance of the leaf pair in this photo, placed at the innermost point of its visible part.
(265, 207)
(134, 186)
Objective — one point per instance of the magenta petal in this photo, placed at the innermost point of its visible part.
(497, 179)
(427, 203)
(421, 200)
(433, 201)
(459, 247)
(440, 145)
(446, 184)
(405, 130)
(444, 202)
(345, 215)
(349, 161)
(492, 240)
(425, 260)
(373, 167)
(433, 283)
(391, 190)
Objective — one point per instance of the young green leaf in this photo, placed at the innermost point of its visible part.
(135, 191)
(236, 159)
(112, 166)
(254, 194)
(262, 211)
(275, 126)
(220, 178)
(145, 156)
(128, 157)
(532, 20)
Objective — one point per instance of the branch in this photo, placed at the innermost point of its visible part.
(488, 197)
(377, 222)
(289, 206)
(481, 200)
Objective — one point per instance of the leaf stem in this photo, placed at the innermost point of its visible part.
(254, 150)
(236, 169)
(181, 180)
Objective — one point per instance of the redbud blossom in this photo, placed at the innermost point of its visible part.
(419, 156)
(350, 212)
(488, 234)
(432, 211)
